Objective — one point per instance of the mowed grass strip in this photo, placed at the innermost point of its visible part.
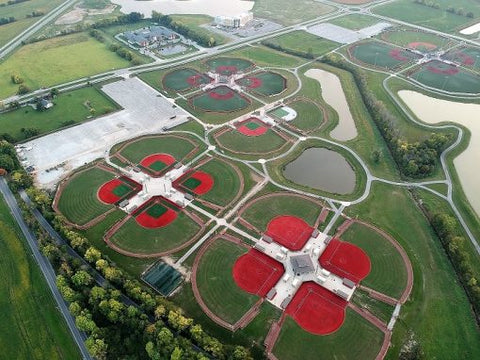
(236, 141)
(216, 285)
(309, 116)
(226, 182)
(30, 324)
(133, 237)
(70, 108)
(57, 60)
(355, 339)
(79, 202)
(388, 273)
(264, 210)
(173, 145)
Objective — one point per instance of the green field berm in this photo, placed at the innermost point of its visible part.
(31, 326)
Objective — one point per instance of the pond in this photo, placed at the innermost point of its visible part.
(322, 169)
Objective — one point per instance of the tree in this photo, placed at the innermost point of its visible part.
(92, 254)
(6, 162)
(82, 278)
(85, 323)
(176, 354)
(376, 155)
(97, 348)
(75, 308)
(23, 89)
(178, 321)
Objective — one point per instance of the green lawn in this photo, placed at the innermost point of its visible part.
(355, 21)
(288, 12)
(178, 147)
(204, 102)
(31, 325)
(378, 308)
(135, 238)
(79, 202)
(309, 115)
(19, 12)
(70, 108)
(378, 54)
(438, 310)
(388, 274)
(260, 213)
(264, 56)
(403, 37)
(356, 339)
(56, 61)
(302, 41)
(407, 10)
(215, 282)
(227, 182)
(261, 145)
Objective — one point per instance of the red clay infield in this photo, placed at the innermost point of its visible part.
(289, 231)
(195, 80)
(316, 309)
(397, 55)
(226, 69)
(167, 159)
(452, 70)
(105, 193)
(206, 182)
(217, 96)
(346, 260)
(428, 46)
(257, 273)
(246, 128)
(150, 222)
(254, 82)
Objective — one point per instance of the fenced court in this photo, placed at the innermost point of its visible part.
(265, 83)
(446, 77)
(185, 79)
(221, 99)
(289, 231)
(381, 55)
(163, 278)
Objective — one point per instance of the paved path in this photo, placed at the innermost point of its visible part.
(45, 267)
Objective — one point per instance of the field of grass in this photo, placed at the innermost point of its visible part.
(227, 182)
(378, 308)
(57, 60)
(354, 21)
(288, 12)
(309, 115)
(438, 310)
(388, 274)
(19, 12)
(79, 202)
(302, 41)
(380, 55)
(135, 151)
(135, 238)
(215, 282)
(70, 108)
(407, 10)
(260, 213)
(356, 339)
(237, 142)
(264, 56)
(403, 37)
(31, 325)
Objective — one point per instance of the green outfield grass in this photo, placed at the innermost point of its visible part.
(57, 60)
(379, 55)
(260, 213)
(403, 37)
(237, 142)
(31, 325)
(177, 80)
(206, 103)
(355, 339)
(20, 11)
(438, 310)
(309, 115)
(378, 308)
(463, 81)
(264, 56)
(467, 56)
(70, 108)
(388, 274)
(137, 239)
(407, 10)
(241, 64)
(288, 12)
(227, 182)
(136, 151)
(79, 202)
(355, 21)
(271, 83)
(216, 284)
(305, 42)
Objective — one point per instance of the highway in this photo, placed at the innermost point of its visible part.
(46, 268)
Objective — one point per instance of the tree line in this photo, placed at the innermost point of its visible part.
(414, 159)
(450, 9)
(304, 54)
(155, 329)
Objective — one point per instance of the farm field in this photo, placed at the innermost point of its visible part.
(57, 60)
(70, 108)
(32, 334)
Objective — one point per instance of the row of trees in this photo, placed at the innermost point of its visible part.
(156, 329)
(416, 160)
(304, 54)
(8, 156)
(182, 29)
(450, 9)
(12, 2)
(7, 20)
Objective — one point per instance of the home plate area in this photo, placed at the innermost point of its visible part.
(196, 182)
(156, 213)
(252, 127)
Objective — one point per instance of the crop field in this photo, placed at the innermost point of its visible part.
(70, 108)
(32, 327)
(56, 61)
